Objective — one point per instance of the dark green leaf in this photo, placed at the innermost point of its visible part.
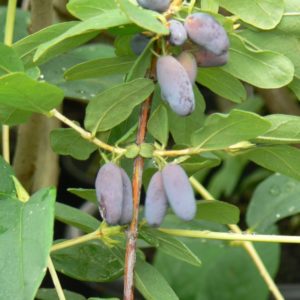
(275, 198)
(79, 34)
(25, 242)
(75, 217)
(114, 105)
(91, 261)
(86, 194)
(66, 141)
(9, 61)
(158, 125)
(146, 19)
(7, 185)
(222, 83)
(218, 212)
(100, 67)
(295, 87)
(281, 159)
(12, 116)
(19, 91)
(221, 131)
(253, 65)
(51, 294)
(169, 245)
(151, 284)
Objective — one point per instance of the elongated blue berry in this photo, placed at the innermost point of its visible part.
(179, 192)
(138, 43)
(157, 5)
(189, 63)
(206, 32)
(205, 58)
(109, 190)
(127, 207)
(176, 87)
(178, 33)
(156, 202)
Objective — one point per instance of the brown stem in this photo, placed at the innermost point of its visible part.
(35, 164)
(132, 234)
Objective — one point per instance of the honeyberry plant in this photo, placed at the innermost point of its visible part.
(138, 65)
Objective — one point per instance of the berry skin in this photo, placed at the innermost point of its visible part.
(156, 202)
(109, 191)
(138, 43)
(178, 33)
(206, 32)
(189, 63)
(176, 87)
(156, 5)
(205, 58)
(179, 192)
(127, 206)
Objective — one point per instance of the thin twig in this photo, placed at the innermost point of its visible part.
(85, 134)
(130, 257)
(248, 246)
(55, 280)
(230, 236)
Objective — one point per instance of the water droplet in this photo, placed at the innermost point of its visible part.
(31, 212)
(93, 95)
(63, 69)
(291, 209)
(41, 77)
(274, 190)
(81, 91)
(289, 187)
(203, 241)
(278, 216)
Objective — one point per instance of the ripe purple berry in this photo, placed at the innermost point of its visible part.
(109, 190)
(127, 206)
(176, 87)
(179, 192)
(189, 63)
(178, 33)
(156, 202)
(138, 43)
(206, 32)
(205, 58)
(156, 5)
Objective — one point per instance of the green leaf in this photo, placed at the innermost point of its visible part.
(222, 130)
(142, 64)
(210, 5)
(222, 83)
(182, 128)
(144, 18)
(281, 159)
(227, 273)
(66, 141)
(85, 9)
(158, 125)
(114, 105)
(259, 13)
(275, 198)
(26, 47)
(12, 116)
(20, 91)
(200, 162)
(272, 40)
(284, 129)
(169, 245)
(295, 87)
(9, 61)
(151, 284)
(86, 194)
(51, 294)
(25, 242)
(7, 185)
(218, 212)
(290, 22)
(253, 65)
(100, 67)
(75, 217)
(91, 261)
(79, 34)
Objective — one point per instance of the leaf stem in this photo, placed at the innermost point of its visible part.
(8, 40)
(248, 246)
(85, 134)
(55, 280)
(230, 236)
